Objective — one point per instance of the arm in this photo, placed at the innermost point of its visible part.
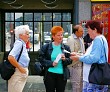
(93, 56)
(45, 56)
(14, 62)
(66, 57)
(14, 54)
(70, 43)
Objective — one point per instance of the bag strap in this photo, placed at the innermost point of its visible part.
(20, 53)
(104, 49)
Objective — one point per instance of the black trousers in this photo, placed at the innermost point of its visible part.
(55, 82)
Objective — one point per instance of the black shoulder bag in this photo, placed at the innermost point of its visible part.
(39, 68)
(100, 73)
(7, 69)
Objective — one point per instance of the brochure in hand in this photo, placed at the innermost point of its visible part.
(58, 58)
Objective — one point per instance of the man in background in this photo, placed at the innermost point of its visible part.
(76, 43)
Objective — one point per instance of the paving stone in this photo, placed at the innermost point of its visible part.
(33, 84)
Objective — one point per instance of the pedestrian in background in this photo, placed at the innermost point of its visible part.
(87, 41)
(96, 53)
(17, 81)
(55, 61)
(76, 44)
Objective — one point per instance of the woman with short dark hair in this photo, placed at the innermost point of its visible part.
(96, 53)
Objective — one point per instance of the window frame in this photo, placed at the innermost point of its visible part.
(23, 22)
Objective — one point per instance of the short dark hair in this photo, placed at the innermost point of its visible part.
(75, 28)
(94, 24)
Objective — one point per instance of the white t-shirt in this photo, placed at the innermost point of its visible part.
(86, 67)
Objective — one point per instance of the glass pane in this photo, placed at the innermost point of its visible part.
(67, 30)
(66, 26)
(9, 40)
(30, 24)
(56, 16)
(47, 34)
(66, 16)
(18, 16)
(9, 16)
(28, 16)
(47, 27)
(37, 16)
(37, 31)
(47, 17)
(18, 23)
(56, 23)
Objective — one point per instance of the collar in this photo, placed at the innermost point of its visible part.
(22, 41)
(50, 46)
(74, 36)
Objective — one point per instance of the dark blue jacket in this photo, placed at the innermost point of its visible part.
(45, 58)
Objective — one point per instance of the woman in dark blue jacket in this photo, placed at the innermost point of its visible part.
(55, 61)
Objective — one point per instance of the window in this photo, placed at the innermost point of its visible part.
(40, 24)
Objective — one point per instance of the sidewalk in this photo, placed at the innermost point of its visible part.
(34, 84)
(3, 85)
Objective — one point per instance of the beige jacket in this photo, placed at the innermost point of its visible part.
(76, 45)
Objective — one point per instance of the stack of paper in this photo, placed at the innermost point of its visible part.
(58, 58)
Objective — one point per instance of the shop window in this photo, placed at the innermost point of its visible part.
(40, 25)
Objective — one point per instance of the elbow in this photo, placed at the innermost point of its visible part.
(10, 58)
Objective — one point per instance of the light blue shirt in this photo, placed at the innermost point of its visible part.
(98, 52)
(24, 59)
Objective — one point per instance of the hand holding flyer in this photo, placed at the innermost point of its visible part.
(58, 58)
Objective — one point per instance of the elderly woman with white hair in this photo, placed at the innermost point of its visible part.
(18, 80)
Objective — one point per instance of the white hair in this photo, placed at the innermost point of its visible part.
(21, 30)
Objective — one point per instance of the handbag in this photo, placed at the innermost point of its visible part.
(7, 69)
(100, 73)
(39, 69)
